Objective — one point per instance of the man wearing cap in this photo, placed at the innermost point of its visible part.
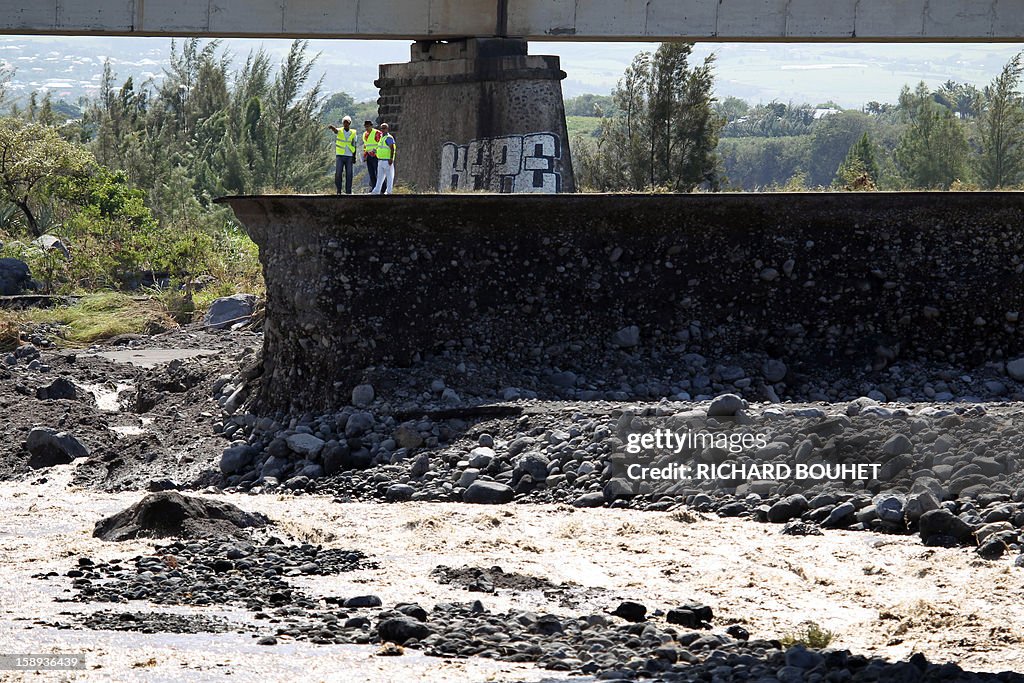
(345, 153)
(371, 140)
(387, 150)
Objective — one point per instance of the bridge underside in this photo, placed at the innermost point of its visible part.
(595, 20)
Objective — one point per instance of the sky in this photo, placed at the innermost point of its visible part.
(849, 74)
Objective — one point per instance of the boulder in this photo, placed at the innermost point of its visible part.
(169, 513)
(228, 310)
(787, 508)
(726, 405)
(52, 243)
(936, 525)
(60, 388)
(488, 493)
(237, 458)
(627, 337)
(49, 447)
(401, 630)
(14, 276)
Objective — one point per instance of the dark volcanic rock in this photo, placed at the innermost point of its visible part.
(401, 630)
(631, 611)
(50, 447)
(943, 523)
(169, 513)
(488, 492)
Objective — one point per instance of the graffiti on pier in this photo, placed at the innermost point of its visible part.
(512, 163)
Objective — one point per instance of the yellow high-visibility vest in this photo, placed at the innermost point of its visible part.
(345, 144)
(370, 141)
(383, 151)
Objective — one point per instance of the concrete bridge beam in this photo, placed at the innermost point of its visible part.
(642, 20)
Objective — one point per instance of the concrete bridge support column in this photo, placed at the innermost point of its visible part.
(478, 114)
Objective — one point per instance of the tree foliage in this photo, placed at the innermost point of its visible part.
(663, 131)
(859, 170)
(933, 152)
(1002, 129)
(33, 158)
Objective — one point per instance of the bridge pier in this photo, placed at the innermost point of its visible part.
(478, 114)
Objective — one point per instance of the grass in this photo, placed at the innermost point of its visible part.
(9, 332)
(582, 125)
(808, 635)
(99, 316)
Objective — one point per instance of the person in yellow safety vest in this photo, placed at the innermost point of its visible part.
(344, 153)
(387, 151)
(371, 140)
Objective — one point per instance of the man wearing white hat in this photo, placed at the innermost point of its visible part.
(345, 153)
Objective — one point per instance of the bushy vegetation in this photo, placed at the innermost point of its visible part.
(126, 181)
(953, 137)
(809, 635)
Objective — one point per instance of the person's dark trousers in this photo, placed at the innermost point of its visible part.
(343, 163)
(371, 170)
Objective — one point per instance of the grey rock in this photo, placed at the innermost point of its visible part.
(399, 492)
(237, 458)
(594, 499)
(49, 447)
(488, 493)
(897, 444)
(802, 658)
(564, 379)
(942, 522)
(774, 371)
(401, 630)
(169, 513)
(532, 463)
(787, 508)
(363, 601)
(631, 611)
(14, 276)
(726, 405)
(918, 504)
(481, 457)
(230, 310)
(52, 243)
(1015, 369)
(889, 508)
(841, 515)
(618, 488)
(358, 424)
(362, 395)
(420, 466)
(305, 444)
(854, 407)
(627, 337)
(60, 389)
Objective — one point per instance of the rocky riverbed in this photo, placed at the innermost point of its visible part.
(496, 525)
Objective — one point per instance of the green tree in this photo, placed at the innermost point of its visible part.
(859, 170)
(831, 138)
(297, 141)
(933, 150)
(1002, 129)
(336, 107)
(32, 158)
(664, 131)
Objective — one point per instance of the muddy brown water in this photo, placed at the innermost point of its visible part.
(880, 595)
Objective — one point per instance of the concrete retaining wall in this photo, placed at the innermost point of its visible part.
(828, 280)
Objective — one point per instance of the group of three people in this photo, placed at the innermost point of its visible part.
(379, 151)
